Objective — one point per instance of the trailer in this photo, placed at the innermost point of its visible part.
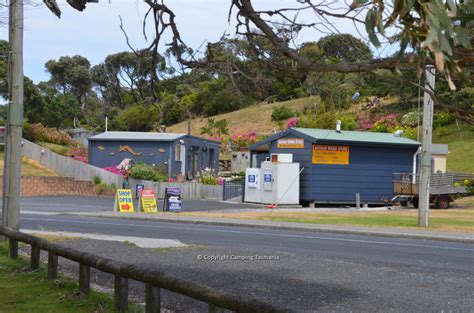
(444, 187)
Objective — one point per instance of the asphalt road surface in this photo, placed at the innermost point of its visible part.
(303, 271)
(103, 204)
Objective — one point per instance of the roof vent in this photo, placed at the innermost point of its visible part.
(398, 133)
(338, 126)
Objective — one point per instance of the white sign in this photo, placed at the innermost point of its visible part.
(251, 178)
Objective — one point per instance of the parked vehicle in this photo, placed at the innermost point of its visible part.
(444, 187)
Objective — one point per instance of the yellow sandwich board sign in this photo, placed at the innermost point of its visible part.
(147, 202)
(124, 201)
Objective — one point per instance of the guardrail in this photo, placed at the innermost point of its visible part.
(154, 280)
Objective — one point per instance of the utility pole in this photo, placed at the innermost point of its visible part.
(424, 185)
(11, 212)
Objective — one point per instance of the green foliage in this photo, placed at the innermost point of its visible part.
(146, 172)
(441, 119)
(97, 180)
(344, 48)
(281, 113)
(136, 118)
(39, 133)
(349, 121)
(208, 177)
(411, 119)
(215, 128)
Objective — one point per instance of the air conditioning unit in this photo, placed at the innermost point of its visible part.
(281, 158)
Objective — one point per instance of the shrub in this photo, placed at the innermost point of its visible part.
(411, 119)
(38, 133)
(146, 172)
(208, 177)
(349, 121)
(292, 122)
(281, 113)
(97, 180)
(441, 119)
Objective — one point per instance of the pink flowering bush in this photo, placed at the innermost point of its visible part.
(112, 169)
(80, 153)
(292, 122)
(378, 123)
(243, 141)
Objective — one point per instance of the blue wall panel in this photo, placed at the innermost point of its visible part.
(369, 172)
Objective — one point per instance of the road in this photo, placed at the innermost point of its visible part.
(305, 271)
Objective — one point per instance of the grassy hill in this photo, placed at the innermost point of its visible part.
(256, 117)
(461, 147)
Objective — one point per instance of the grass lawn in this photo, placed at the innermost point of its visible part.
(23, 291)
(62, 150)
(461, 147)
(458, 219)
(29, 168)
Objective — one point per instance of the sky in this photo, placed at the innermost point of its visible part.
(95, 33)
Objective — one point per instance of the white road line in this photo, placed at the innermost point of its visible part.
(40, 212)
(256, 233)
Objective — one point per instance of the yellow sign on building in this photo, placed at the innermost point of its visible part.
(290, 143)
(124, 201)
(329, 154)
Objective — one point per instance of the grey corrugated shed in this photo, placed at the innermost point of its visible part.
(134, 136)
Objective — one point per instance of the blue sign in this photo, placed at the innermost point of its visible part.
(267, 178)
(173, 201)
(251, 178)
(138, 190)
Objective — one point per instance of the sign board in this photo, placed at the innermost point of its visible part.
(330, 154)
(124, 201)
(290, 143)
(267, 179)
(173, 199)
(147, 201)
(251, 177)
(138, 190)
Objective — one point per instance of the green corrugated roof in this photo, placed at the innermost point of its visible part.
(355, 136)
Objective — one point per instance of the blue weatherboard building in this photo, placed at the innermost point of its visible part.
(339, 164)
(176, 153)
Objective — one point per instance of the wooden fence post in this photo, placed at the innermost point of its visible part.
(152, 299)
(215, 309)
(52, 265)
(12, 249)
(35, 258)
(84, 278)
(121, 294)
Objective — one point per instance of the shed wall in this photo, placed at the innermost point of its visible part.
(369, 173)
(151, 152)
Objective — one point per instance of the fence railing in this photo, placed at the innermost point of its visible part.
(233, 188)
(154, 280)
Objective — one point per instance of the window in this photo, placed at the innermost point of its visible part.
(177, 152)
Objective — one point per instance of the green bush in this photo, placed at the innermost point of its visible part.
(411, 119)
(442, 119)
(39, 133)
(281, 113)
(146, 172)
(349, 121)
(97, 180)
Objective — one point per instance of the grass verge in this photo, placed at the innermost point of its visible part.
(459, 219)
(29, 168)
(24, 291)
